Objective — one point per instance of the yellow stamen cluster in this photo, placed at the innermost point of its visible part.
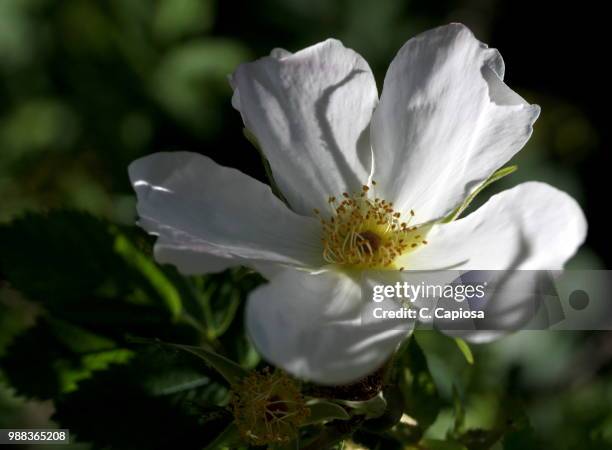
(365, 232)
(268, 408)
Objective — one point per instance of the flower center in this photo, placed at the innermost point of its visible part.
(268, 408)
(369, 241)
(364, 231)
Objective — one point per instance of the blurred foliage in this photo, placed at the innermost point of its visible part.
(152, 402)
(88, 86)
(91, 286)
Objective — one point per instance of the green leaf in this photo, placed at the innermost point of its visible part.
(50, 358)
(512, 427)
(417, 384)
(323, 411)
(436, 444)
(394, 410)
(465, 350)
(525, 439)
(498, 175)
(231, 371)
(480, 439)
(253, 140)
(116, 317)
(406, 433)
(92, 274)
(459, 411)
(145, 265)
(13, 320)
(515, 426)
(220, 297)
(151, 395)
(62, 255)
(372, 408)
(226, 439)
(266, 164)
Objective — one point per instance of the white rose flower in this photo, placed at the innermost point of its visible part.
(367, 183)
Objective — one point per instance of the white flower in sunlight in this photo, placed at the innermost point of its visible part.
(444, 123)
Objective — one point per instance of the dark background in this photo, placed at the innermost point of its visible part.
(88, 86)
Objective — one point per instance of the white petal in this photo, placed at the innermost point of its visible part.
(278, 53)
(512, 300)
(209, 217)
(532, 226)
(189, 261)
(310, 112)
(446, 121)
(316, 327)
